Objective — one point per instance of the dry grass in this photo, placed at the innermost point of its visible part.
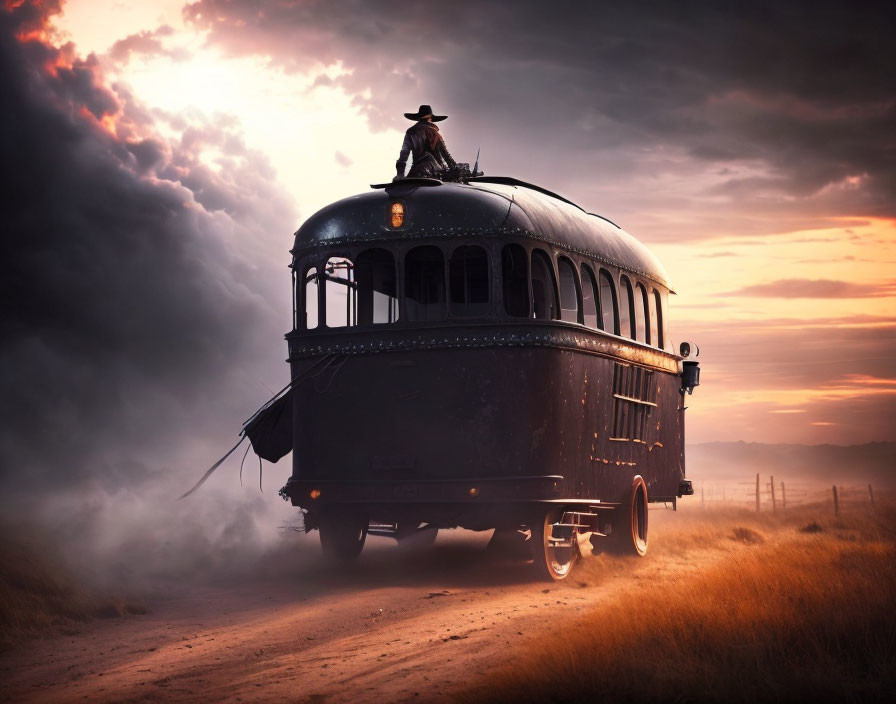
(38, 593)
(783, 616)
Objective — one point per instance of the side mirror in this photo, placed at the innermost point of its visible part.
(684, 349)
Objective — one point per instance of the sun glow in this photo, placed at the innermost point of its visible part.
(296, 121)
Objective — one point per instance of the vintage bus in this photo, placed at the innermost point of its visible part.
(482, 354)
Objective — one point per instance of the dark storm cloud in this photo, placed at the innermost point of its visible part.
(603, 99)
(134, 286)
(815, 288)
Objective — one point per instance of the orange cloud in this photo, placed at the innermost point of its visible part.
(816, 288)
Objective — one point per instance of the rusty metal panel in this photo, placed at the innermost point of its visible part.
(490, 413)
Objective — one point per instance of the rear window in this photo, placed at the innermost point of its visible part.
(544, 289)
(424, 284)
(469, 281)
(515, 280)
(569, 291)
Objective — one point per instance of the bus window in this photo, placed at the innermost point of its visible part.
(340, 294)
(424, 284)
(515, 276)
(626, 308)
(589, 298)
(662, 300)
(656, 320)
(377, 290)
(544, 289)
(468, 281)
(641, 322)
(569, 291)
(609, 319)
(311, 298)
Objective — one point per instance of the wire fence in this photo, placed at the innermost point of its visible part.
(770, 494)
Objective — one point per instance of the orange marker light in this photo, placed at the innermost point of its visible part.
(397, 212)
(315, 493)
(474, 491)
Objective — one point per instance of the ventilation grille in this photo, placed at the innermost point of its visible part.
(634, 396)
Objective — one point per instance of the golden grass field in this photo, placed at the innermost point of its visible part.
(802, 609)
(727, 606)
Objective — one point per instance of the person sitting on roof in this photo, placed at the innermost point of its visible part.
(425, 142)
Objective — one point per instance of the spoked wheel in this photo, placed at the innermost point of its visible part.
(342, 533)
(554, 547)
(630, 534)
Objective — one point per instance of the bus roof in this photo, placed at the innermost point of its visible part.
(486, 206)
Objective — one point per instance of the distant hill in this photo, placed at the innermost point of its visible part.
(873, 462)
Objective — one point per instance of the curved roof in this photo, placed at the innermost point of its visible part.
(485, 206)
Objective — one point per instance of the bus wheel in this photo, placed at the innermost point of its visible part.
(554, 545)
(630, 526)
(342, 533)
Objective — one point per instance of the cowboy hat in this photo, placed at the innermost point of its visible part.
(424, 111)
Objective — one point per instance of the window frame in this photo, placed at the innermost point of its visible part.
(626, 283)
(489, 303)
(538, 252)
(564, 260)
(403, 297)
(586, 273)
(358, 261)
(656, 321)
(526, 276)
(641, 292)
(605, 274)
(662, 318)
(302, 304)
(351, 288)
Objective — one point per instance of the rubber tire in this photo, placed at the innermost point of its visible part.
(545, 567)
(630, 524)
(342, 533)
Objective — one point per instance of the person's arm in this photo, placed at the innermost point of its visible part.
(443, 153)
(403, 156)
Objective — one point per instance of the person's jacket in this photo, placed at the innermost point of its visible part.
(425, 142)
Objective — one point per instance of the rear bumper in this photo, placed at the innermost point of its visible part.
(423, 491)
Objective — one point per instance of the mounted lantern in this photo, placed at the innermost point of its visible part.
(690, 376)
(396, 213)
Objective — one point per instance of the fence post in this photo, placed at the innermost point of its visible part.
(871, 494)
(774, 505)
(783, 497)
(836, 502)
(757, 493)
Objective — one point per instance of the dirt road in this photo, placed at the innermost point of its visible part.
(393, 627)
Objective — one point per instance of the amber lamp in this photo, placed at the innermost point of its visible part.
(397, 213)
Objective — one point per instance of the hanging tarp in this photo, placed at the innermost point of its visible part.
(270, 430)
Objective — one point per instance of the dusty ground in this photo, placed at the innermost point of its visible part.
(392, 627)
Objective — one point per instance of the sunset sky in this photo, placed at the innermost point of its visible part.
(162, 155)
